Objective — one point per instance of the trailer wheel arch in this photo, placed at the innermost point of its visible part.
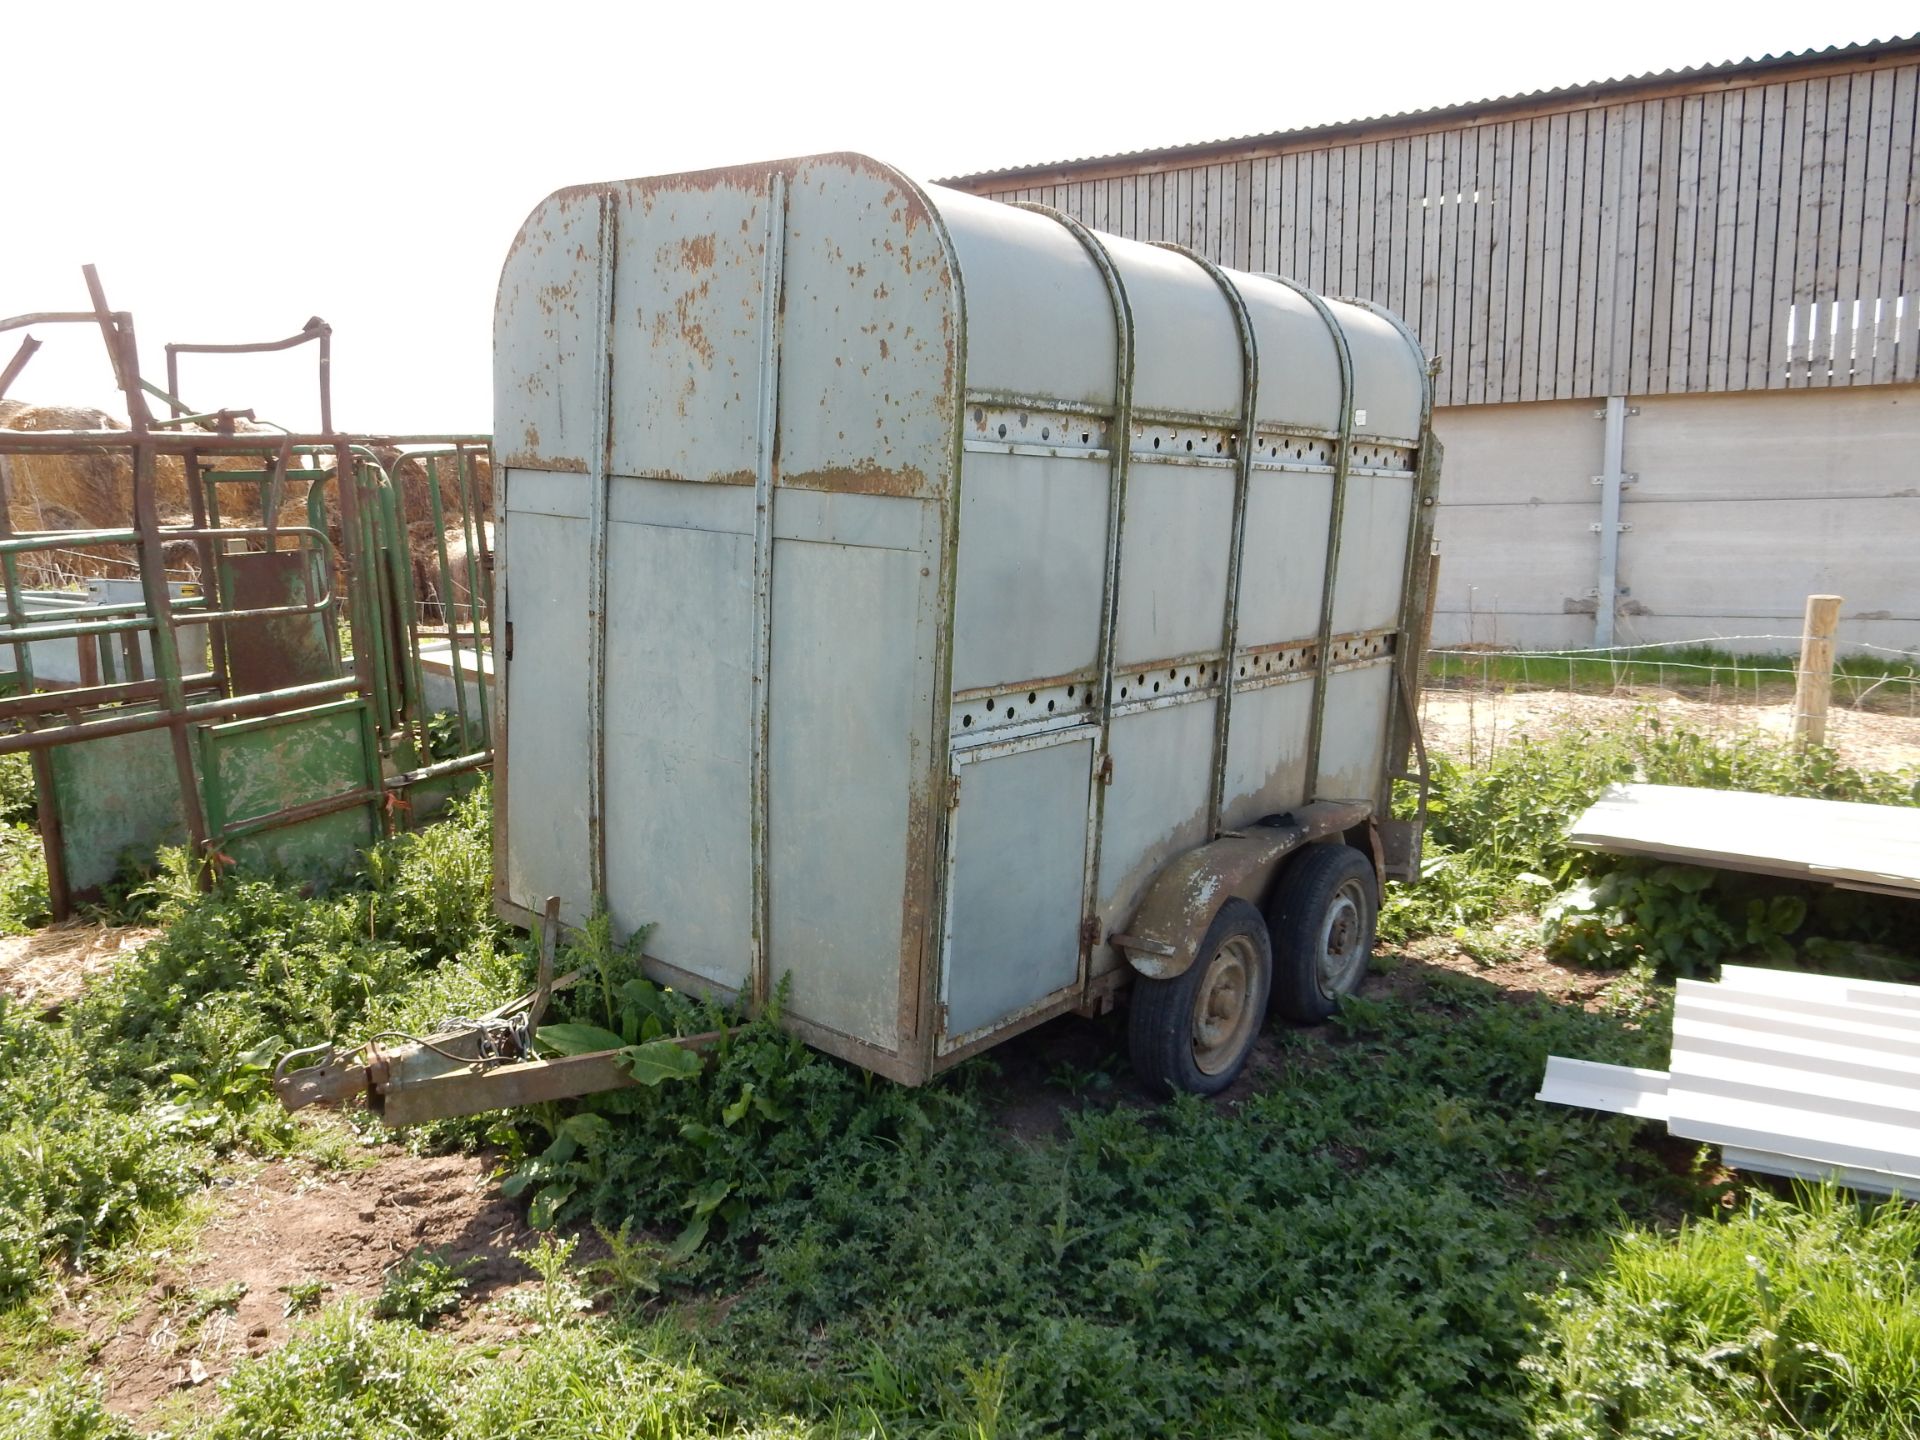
(1170, 922)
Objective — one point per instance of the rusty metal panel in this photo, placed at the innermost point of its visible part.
(273, 652)
(547, 338)
(849, 713)
(546, 620)
(1359, 705)
(119, 801)
(1032, 560)
(679, 840)
(687, 310)
(1017, 850)
(869, 359)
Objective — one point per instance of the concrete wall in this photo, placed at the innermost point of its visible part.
(1742, 506)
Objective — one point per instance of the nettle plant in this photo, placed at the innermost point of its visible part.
(1685, 919)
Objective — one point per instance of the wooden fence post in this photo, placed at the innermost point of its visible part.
(1813, 683)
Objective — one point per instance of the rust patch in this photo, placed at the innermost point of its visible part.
(527, 460)
(864, 477)
(532, 439)
(697, 253)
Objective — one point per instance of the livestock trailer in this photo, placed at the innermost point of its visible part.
(954, 611)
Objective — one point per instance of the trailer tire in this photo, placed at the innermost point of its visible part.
(1195, 1031)
(1321, 917)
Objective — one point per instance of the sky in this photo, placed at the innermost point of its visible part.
(236, 168)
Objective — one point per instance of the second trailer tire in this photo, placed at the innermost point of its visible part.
(1322, 916)
(1195, 1031)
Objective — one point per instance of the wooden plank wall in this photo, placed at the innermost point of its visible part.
(1751, 238)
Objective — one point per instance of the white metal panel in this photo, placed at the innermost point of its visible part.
(1156, 806)
(1617, 1089)
(546, 595)
(679, 837)
(1387, 380)
(849, 716)
(1835, 840)
(1038, 318)
(1186, 354)
(1374, 530)
(1173, 575)
(1299, 374)
(1283, 569)
(1267, 752)
(1019, 841)
(1031, 568)
(1353, 749)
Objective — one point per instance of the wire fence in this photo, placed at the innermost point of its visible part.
(1869, 678)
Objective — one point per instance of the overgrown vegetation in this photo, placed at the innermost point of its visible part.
(1860, 679)
(788, 1246)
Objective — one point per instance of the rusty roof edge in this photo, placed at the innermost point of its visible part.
(1893, 45)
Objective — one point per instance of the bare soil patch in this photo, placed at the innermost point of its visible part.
(288, 1224)
(46, 969)
(1470, 725)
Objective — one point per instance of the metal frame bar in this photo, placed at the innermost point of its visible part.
(765, 482)
(1612, 479)
(598, 481)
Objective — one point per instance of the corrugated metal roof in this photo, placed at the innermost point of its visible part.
(1866, 49)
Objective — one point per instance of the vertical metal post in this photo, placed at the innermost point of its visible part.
(52, 839)
(597, 483)
(1119, 451)
(1612, 478)
(765, 474)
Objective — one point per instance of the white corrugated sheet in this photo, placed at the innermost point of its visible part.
(1791, 1074)
(1844, 843)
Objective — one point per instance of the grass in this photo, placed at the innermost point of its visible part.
(1863, 680)
(1386, 1236)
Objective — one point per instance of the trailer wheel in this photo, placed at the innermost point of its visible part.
(1322, 918)
(1195, 1031)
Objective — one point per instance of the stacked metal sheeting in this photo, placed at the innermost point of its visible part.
(1813, 1076)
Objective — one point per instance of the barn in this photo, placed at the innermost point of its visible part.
(1675, 317)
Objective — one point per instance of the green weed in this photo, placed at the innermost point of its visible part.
(422, 1287)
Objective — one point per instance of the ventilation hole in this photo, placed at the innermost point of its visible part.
(1009, 712)
(979, 416)
(1243, 672)
(1046, 432)
(1140, 680)
(1172, 674)
(1069, 692)
(1274, 452)
(1050, 707)
(1083, 438)
(1218, 446)
(1189, 682)
(1003, 432)
(1189, 444)
(1123, 692)
(1156, 687)
(1156, 442)
(1032, 697)
(1023, 419)
(965, 721)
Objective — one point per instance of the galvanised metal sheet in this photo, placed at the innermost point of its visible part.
(1282, 577)
(1186, 352)
(1387, 377)
(679, 833)
(1049, 330)
(1353, 753)
(1173, 579)
(1299, 369)
(546, 744)
(1157, 805)
(849, 699)
(1373, 552)
(1019, 840)
(1267, 752)
(1032, 561)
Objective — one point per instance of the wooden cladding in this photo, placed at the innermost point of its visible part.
(1736, 239)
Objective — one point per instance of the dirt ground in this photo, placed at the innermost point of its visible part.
(1471, 724)
(45, 969)
(282, 1225)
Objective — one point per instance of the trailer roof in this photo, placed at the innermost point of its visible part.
(1723, 71)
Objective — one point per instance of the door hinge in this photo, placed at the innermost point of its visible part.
(953, 793)
(1089, 933)
(509, 641)
(1106, 768)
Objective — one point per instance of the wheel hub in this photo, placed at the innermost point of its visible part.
(1223, 1012)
